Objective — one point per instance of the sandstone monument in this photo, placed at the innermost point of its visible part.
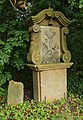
(48, 55)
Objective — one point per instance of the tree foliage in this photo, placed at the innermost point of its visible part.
(14, 38)
(13, 43)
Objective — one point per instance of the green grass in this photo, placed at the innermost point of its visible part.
(70, 109)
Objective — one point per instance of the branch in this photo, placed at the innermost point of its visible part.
(16, 8)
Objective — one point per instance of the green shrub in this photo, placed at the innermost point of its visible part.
(75, 83)
(14, 41)
(3, 95)
(70, 109)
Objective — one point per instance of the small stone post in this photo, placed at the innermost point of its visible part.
(15, 93)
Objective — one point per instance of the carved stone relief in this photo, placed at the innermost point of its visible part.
(48, 38)
(50, 44)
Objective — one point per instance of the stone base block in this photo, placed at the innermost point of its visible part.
(50, 81)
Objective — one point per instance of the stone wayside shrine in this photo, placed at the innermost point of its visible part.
(48, 55)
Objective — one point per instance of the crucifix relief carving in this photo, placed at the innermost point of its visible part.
(50, 44)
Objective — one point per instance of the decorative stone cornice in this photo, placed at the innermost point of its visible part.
(49, 13)
(62, 19)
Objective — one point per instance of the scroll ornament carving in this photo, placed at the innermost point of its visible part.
(29, 55)
(50, 13)
(66, 55)
(36, 57)
(36, 28)
(33, 55)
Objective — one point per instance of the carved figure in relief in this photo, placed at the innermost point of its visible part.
(50, 49)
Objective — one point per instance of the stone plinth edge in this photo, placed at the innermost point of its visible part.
(45, 67)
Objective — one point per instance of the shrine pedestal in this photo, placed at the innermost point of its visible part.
(49, 81)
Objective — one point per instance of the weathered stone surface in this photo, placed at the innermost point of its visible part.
(48, 38)
(50, 44)
(48, 48)
(50, 81)
(15, 93)
(55, 87)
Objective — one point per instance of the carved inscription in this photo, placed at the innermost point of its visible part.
(50, 44)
